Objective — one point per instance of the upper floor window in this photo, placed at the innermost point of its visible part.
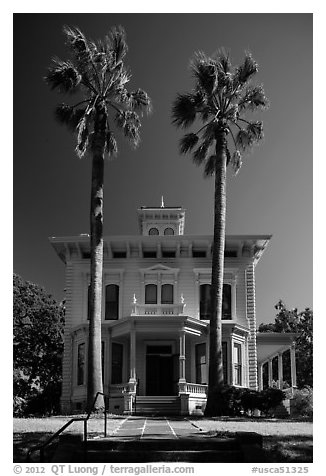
(111, 302)
(153, 231)
(155, 295)
(205, 301)
(150, 294)
(167, 294)
(168, 231)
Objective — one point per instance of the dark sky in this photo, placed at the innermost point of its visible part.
(272, 194)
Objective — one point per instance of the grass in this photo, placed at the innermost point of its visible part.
(283, 440)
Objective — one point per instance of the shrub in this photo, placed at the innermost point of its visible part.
(250, 400)
(269, 398)
(302, 403)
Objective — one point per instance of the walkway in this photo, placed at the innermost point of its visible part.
(142, 428)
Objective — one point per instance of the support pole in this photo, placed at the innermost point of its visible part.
(280, 370)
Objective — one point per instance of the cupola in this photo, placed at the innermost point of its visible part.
(161, 220)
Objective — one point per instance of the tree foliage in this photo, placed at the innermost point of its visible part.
(301, 323)
(97, 74)
(38, 345)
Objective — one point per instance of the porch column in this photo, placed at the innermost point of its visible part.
(270, 372)
(293, 367)
(260, 377)
(132, 374)
(182, 361)
(280, 370)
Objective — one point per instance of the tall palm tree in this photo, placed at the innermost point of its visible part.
(96, 73)
(218, 105)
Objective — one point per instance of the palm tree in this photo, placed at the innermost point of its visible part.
(220, 100)
(96, 72)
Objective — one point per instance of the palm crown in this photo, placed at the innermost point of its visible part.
(221, 98)
(97, 72)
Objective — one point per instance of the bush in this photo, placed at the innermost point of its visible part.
(268, 399)
(250, 400)
(302, 403)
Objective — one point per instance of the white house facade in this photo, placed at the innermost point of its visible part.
(155, 328)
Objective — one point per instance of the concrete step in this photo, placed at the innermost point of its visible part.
(159, 405)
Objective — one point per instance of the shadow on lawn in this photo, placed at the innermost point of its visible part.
(24, 441)
(288, 449)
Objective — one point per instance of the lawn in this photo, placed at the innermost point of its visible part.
(283, 440)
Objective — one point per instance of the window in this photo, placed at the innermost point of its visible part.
(119, 254)
(167, 294)
(226, 305)
(201, 367)
(205, 301)
(237, 364)
(168, 254)
(168, 231)
(198, 253)
(111, 302)
(81, 364)
(150, 294)
(117, 363)
(153, 231)
(149, 254)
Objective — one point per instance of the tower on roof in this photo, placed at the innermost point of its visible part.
(161, 220)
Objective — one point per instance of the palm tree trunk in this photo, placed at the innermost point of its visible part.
(215, 377)
(94, 380)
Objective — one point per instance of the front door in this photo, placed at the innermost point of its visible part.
(159, 370)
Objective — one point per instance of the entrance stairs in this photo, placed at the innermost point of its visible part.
(157, 405)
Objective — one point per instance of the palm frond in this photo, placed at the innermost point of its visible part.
(139, 100)
(69, 115)
(255, 129)
(254, 97)
(184, 110)
(244, 139)
(63, 75)
(82, 137)
(118, 43)
(246, 70)
(236, 161)
(111, 145)
(210, 166)
(188, 142)
(200, 153)
(205, 72)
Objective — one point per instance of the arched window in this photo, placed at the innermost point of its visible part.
(167, 294)
(205, 302)
(153, 231)
(111, 302)
(168, 231)
(150, 294)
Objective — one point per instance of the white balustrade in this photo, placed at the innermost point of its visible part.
(195, 388)
(157, 309)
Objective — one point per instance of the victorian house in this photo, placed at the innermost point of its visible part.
(155, 310)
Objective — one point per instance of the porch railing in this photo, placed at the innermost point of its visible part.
(195, 389)
(157, 309)
(118, 389)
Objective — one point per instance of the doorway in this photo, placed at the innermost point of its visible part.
(159, 370)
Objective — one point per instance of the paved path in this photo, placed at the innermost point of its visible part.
(158, 428)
